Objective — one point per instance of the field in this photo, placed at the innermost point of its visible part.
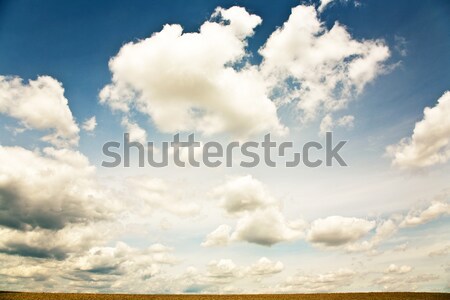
(346, 296)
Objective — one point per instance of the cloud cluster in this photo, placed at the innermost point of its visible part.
(398, 282)
(321, 69)
(52, 244)
(265, 266)
(384, 230)
(243, 194)
(48, 190)
(41, 105)
(260, 220)
(336, 230)
(47, 200)
(185, 81)
(119, 267)
(430, 142)
(120, 264)
(221, 275)
(331, 281)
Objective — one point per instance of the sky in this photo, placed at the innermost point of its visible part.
(76, 75)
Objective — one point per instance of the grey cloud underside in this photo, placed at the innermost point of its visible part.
(23, 249)
(17, 214)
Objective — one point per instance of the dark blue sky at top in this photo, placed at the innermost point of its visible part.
(73, 41)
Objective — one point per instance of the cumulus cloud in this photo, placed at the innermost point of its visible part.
(336, 230)
(260, 220)
(39, 104)
(223, 270)
(118, 267)
(266, 227)
(48, 190)
(243, 194)
(219, 237)
(129, 262)
(183, 81)
(89, 124)
(50, 203)
(321, 69)
(265, 266)
(137, 133)
(384, 230)
(430, 142)
(52, 244)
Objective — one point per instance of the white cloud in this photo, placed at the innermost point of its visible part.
(219, 237)
(346, 121)
(183, 81)
(41, 105)
(49, 189)
(418, 217)
(119, 267)
(243, 194)
(401, 45)
(323, 5)
(265, 266)
(430, 142)
(137, 133)
(336, 230)
(266, 227)
(330, 281)
(51, 203)
(385, 229)
(122, 259)
(89, 124)
(441, 251)
(403, 283)
(223, 270)
(393, 268)
(49, 243)
(328, 123)
(260, 220)
(327, 67)
(38, 273)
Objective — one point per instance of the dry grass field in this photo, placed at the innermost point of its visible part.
(343, 296)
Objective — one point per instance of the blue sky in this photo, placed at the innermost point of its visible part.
(74, 41)
(113, 229)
